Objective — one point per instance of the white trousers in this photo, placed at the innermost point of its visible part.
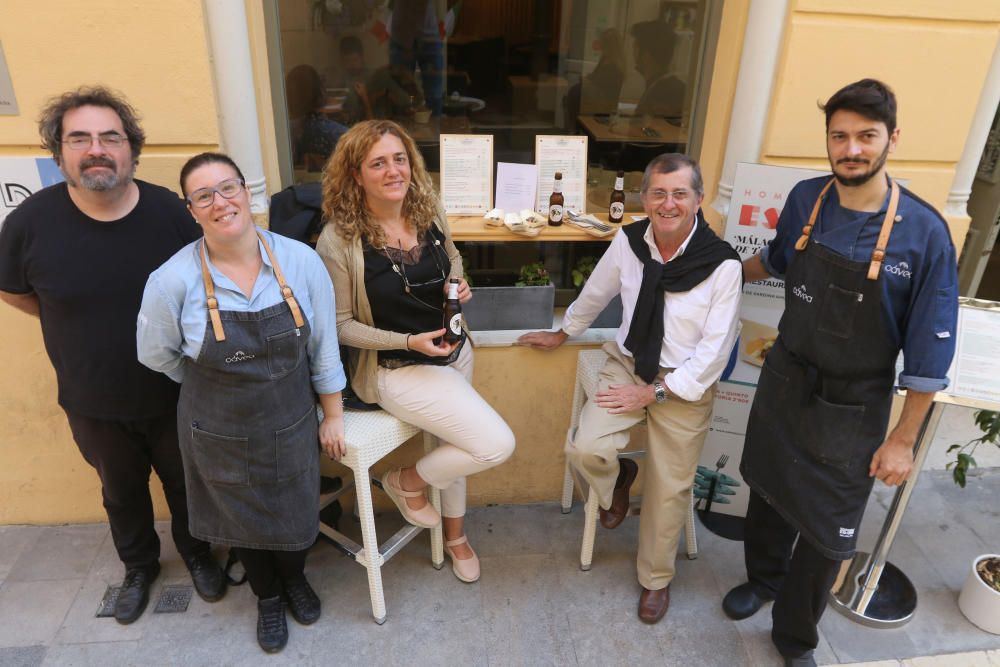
(441, 401)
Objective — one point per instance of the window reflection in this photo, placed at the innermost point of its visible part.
(622, 72)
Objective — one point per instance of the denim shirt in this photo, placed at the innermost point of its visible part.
(173, 317)
(919, 274)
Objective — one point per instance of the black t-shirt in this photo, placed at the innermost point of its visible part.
(89, 278)
(422, 309)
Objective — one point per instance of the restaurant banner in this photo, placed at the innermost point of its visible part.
(759, 194)
(20, 177)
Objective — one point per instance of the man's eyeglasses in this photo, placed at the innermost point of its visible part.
(400, 270)
(203, 197)
(80, 142)
(656, 197)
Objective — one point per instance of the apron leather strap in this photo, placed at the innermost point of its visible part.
(883, 237)
(807, 230)
(286, 291)
(212, 302)
(878, 254)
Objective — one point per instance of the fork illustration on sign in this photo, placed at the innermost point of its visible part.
(714, 486)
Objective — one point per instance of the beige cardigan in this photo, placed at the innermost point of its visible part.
(346, 264)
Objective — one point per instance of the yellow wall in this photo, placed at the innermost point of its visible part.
(157, 55)
(934, 53)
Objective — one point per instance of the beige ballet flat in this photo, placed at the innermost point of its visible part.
(425, 517)
(466, 569)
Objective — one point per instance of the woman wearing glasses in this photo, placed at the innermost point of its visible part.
(245, 321)
(388, 248)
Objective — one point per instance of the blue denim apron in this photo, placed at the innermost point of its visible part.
(824, 395)
(247, 427)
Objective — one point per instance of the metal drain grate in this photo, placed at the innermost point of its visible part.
(107, 606)
(173, 599)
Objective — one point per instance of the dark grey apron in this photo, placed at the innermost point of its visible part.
(824, 394)
(247, 427)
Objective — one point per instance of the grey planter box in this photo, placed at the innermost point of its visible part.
(510, 308)
(611, 316)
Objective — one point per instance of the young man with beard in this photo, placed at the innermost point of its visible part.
(869, 271)
(680, 288)
(77, 256)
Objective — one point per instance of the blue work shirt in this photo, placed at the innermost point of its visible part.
(919, 274)
(173, 318)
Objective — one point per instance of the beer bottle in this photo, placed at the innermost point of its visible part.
(452, 314)
(616, 210)
(556, 202)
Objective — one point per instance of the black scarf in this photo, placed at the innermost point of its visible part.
(701, 257)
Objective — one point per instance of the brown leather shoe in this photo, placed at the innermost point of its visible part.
(653, 604)
(614, 515)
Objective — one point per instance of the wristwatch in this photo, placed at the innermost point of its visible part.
(660, 392)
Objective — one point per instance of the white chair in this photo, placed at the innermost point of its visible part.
(588, 366)
(371, 436)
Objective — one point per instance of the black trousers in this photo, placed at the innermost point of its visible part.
(792, 572)
(122, 453)
(267, 570)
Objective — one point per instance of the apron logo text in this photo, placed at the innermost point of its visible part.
(239, 356)
(902, 270)
(847, 532)
(802, 294)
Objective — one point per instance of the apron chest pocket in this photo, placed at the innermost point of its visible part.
(829, 431)
(839, 307)
(283, 353)
(296, 448)
(220, 459)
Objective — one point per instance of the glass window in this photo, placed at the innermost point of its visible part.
(625, 73)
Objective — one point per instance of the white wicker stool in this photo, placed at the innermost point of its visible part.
(588, 365)
(370, 436)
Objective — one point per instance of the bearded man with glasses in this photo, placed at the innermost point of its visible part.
(680, 286)
(77, 256)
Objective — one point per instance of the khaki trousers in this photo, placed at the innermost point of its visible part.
(441, 401)
(677, 430)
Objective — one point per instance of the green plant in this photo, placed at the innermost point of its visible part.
(988, 422)
(581, 272)
(533, 274)
(988, 570)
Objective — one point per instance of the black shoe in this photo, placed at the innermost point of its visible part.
(804, 660)
(134, 593)
(206, 575)
(302, 601)
(743, 601)
(272, 629)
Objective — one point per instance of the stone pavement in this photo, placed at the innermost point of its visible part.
(533, 606)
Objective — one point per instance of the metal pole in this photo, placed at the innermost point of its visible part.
(873, 591)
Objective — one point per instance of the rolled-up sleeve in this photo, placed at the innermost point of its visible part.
(930, 331)
(158, 334)
(325, 365)
(702, 369)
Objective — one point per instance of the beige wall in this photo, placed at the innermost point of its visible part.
(157, 55)
(934, 53)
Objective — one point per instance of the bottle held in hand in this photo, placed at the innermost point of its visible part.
(616, 209)
(556, 202)
(452, 314)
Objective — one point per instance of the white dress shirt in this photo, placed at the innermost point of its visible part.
(699, 326)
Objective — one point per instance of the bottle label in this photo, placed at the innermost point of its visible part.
(453, 290)
(619, 183)
(617, 210)
(555, 213)
(455, 324)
